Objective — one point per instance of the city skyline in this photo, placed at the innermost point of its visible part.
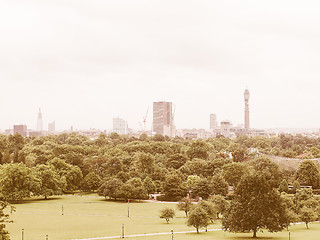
(99, 60)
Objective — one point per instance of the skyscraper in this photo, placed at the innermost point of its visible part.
(246, 110)
(120, 126)
(163, 119)
(21, 129)
(213, 121)
(52, 127)
(39, 122)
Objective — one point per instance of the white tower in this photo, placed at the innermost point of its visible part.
(246, 110)
(39, 122)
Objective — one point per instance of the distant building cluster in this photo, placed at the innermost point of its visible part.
(163, 124)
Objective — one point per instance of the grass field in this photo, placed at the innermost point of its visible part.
(90, 216)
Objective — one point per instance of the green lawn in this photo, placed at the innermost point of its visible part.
(90, 216)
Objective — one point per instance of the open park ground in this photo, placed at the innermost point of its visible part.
(90, 216)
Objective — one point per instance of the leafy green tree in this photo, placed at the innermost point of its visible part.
(269, 169)
(219, 186)
(284, 186)
(198, 218)
(191, 182)
(50, 181)
(198, 149)
(145, 162)
(91, 182)
(133, 189)
(210, 209)
(17, 181)
(185, 205)
(173, 188)
(232, 172)
(295, 186)
(307, 215)
(202, 188)
(308, 174)
(167, 213)
(72, 174)
(6, 156)
(176, 160)
(220, 202)
(149, 185)
(4, 218)
(257, 205)
(111, 188)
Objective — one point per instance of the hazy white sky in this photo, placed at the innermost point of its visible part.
(85, 62)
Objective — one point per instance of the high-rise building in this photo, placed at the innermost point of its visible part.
(225, 128)
(21, 129)
(120, 126)
(52, 127)
(39, 122)
(246, 110)
(163, 119)
(213, 121)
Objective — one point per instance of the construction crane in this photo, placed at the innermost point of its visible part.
(144, 121)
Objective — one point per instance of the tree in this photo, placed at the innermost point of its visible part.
(111, 188)
(17, 181)
(198, 218)
(220, 202)
(257, 205)
(198, 149)
(295, 186)
(232, 172)
(133, 189)
(269, 169)
(219, 185)
(202, 188)
(284, 186)
(185, 205)
(149, 185)
(91, 182)
(307, 215)
(176, 160)
(308, 174)
(210, 209)
(50, 181)
(167, 213)
(4, 218)
(172, 186)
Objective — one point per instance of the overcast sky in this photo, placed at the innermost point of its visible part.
(85, 62)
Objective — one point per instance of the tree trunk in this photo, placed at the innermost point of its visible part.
(197, 230)
(307, 225)
(254, 233)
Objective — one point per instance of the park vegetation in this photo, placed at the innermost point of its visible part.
(234, 180)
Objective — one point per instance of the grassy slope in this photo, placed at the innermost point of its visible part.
(90, 216)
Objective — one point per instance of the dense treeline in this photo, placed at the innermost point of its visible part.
(127, 167)
(124, 167)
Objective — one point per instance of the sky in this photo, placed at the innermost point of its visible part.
(84, 62)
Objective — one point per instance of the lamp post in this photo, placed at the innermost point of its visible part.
(22, 234)
(122, 230)
(62, 209)
(171, 234)
(289, 234)
(47, 237)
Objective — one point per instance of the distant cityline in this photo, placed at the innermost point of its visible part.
(163, 124)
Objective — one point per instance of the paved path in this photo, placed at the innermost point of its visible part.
(146, 234)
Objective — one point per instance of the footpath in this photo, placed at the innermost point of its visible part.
(147, 234)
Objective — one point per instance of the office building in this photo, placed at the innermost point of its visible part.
(163, 119)
(39, 122)
(246, 110)
(213, 121)
(21, 129)
(120, 126)
(52, 127)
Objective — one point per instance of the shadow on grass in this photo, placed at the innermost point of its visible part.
(35, 200)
